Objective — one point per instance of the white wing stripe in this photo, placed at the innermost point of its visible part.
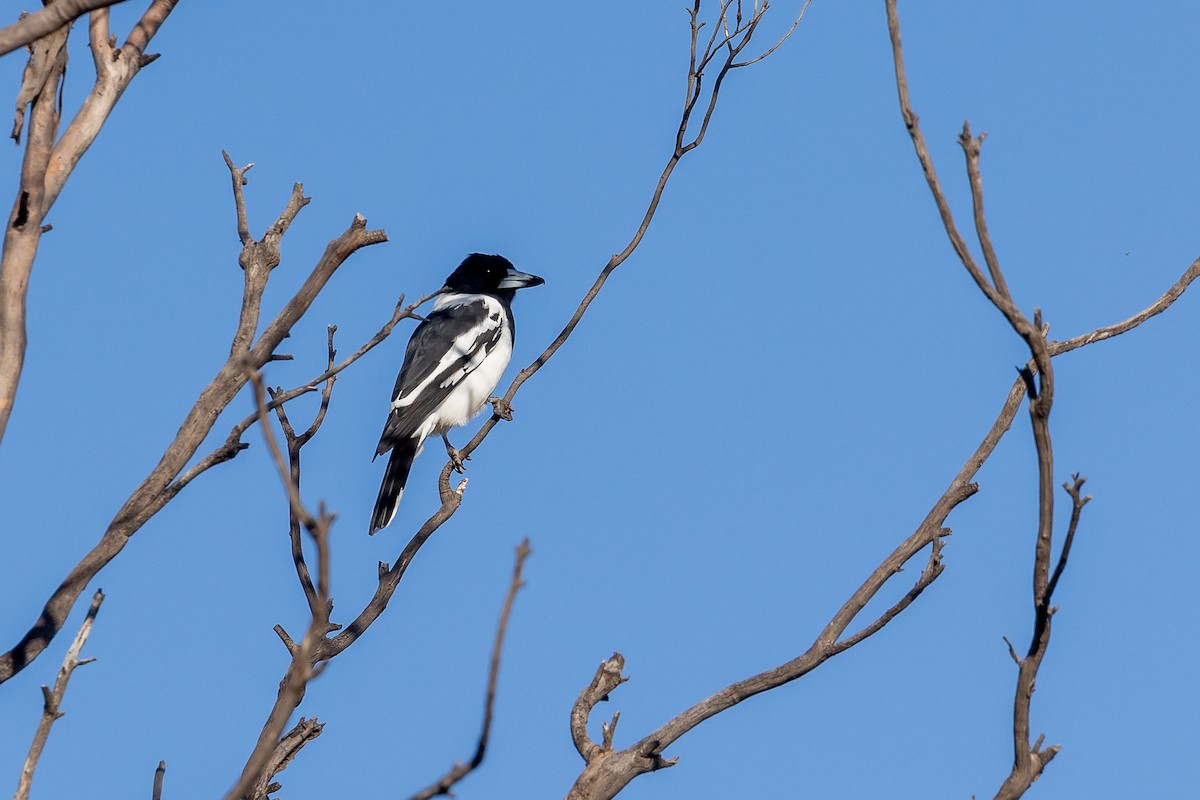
(474, 345)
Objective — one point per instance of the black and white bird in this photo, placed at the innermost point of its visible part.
(452, 365)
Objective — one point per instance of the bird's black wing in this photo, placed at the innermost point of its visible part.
(444, 349)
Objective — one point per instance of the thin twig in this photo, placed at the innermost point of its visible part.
(682, 147)
(233, 443)
(457, 772)
(1077, 505)
(294, 445)
(52, 698)
(1028, 760)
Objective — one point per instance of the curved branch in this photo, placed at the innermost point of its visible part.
(613, 770)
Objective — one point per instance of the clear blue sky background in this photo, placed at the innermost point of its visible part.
(767, 397)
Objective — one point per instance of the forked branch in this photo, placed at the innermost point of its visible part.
(258, 259)
(271, 753)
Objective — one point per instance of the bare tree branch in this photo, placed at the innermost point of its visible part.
(1107, 332)
(39, 88)
(259, 768)
(608, 770)
(233, 444)
(459, 771)
(258, 259)
(1029, 760)
(30, 27)
(289, 746)
(45, 21)
(48, 164)
(294, 445)
(52, 698)
(608, 677)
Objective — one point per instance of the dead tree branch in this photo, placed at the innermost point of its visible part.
(270, 753)
(48, 163)
(1029, 759)
(457, 772)
(294, 445)
(233, 443)
(258, 259)
(52, 698)
(608, 771)
(45, 21)
(289, 746)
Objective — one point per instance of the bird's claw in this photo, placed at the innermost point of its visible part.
(501, 408)
(457, 459)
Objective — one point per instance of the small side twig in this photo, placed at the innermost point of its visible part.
(289, 746)
(608, 677)
(52, 698)
(1077, 504)
(459, 771)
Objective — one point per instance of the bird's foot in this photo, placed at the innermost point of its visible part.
(501, 408)
(457, 459)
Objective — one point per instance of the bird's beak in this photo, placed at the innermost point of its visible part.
(519, 280)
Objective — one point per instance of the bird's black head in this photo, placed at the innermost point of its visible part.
(484, 274)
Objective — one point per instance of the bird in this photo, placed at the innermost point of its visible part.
(452, 364)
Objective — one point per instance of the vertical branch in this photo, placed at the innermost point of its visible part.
(302, 667)
(39, 90)
(52, 698)
(458, 771)
(294, 445)
(48, 164)
(1029, 759)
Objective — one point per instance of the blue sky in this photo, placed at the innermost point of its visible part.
(767, 397)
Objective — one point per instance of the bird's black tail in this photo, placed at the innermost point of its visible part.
(394, 478)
